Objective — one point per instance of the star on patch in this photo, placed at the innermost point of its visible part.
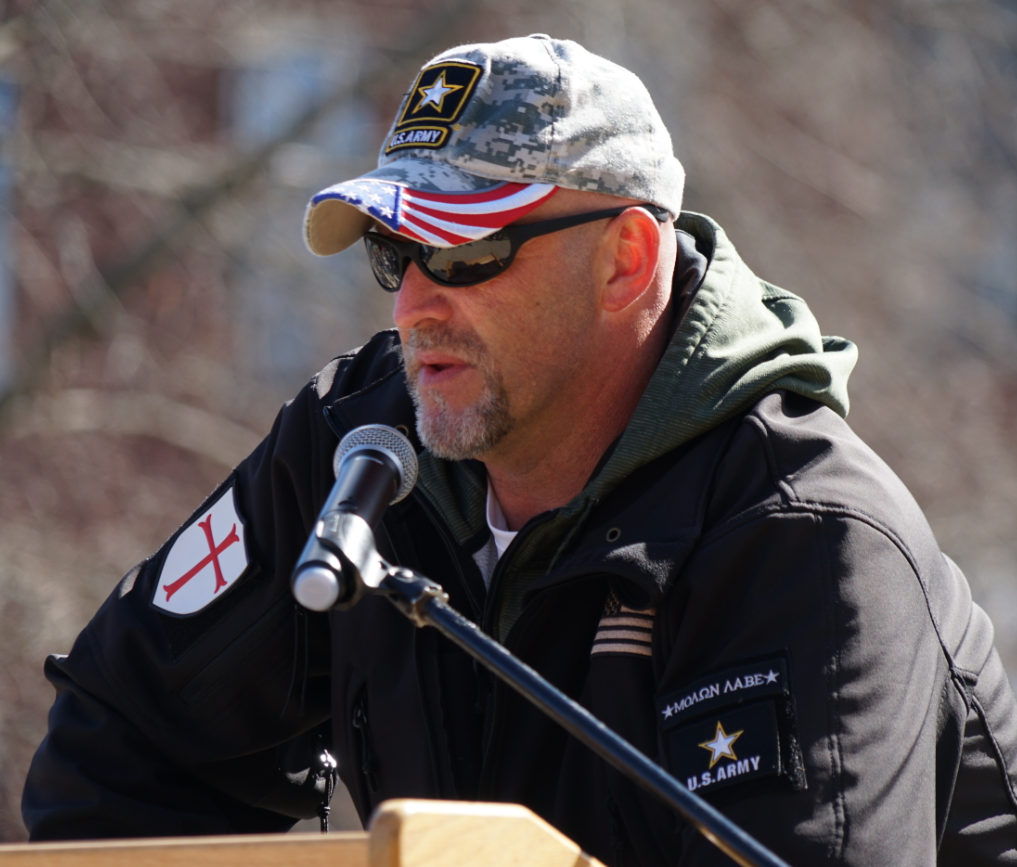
(771, 676)
(721, 745)
(436, 93)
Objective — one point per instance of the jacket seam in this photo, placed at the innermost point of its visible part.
(371, 386)
(808, 507)
(779, 480)
(1000, 759)
(736, 522)
(967, 675)
(838, 803)
(314, 418)
(339, 370)
(906, 552)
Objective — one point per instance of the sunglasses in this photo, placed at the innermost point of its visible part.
(477, 261)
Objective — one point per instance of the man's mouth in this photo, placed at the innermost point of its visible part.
(439, 360)
(438, 368)
(436, 358)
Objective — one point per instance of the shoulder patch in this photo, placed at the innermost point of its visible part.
(623, 631)
(206, 559)
(733, 726)
(434, 103)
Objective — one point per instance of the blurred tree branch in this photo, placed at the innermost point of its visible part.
(103, 292)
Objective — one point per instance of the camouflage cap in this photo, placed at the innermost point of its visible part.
(488, 131)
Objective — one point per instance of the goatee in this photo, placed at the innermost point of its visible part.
(457, 434)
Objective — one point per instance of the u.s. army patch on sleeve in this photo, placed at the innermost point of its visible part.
(733, 726)
(205, 560)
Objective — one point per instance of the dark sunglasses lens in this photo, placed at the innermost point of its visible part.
(468, 263)
(386, 263)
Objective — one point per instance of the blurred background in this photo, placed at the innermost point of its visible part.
(157, 304)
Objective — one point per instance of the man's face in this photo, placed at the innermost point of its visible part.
(492, 367)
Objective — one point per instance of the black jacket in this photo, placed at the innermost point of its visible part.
(770, 578)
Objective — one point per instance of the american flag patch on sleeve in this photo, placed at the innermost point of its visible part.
(623, 631)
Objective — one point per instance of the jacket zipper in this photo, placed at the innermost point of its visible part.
(359, 721)
(500, 567)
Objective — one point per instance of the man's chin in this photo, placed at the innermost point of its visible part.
(463, 435)
(459, 429)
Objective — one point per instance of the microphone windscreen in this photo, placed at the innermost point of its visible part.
(380, 437)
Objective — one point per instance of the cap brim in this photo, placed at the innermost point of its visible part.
(431, 202)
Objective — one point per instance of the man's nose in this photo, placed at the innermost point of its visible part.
(420, 301)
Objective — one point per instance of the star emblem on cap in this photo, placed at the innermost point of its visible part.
(436, 93)
(720, 746)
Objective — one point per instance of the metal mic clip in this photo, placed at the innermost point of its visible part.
(328, 575)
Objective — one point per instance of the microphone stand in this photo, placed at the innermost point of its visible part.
(340, 564)
(426, 604)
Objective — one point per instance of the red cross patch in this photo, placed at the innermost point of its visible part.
(206, 558)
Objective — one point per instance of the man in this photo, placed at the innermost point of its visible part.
(634, 472)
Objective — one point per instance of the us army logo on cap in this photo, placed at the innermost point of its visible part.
(436, 100)
(733, 726)
(205, 560)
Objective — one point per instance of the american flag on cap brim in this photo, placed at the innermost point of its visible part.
(439, 219)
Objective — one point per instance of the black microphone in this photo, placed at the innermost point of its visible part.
(375, 466)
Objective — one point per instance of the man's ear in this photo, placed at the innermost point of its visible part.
(630, 252)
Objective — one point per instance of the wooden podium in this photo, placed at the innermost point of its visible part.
(403, 833)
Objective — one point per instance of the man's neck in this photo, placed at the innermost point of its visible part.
(551, 481)
(548, 473)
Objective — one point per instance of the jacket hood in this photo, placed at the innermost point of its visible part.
(740, 339)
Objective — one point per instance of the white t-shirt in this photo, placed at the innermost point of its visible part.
(501, 537)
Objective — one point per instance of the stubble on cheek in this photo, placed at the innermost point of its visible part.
(457, 434)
